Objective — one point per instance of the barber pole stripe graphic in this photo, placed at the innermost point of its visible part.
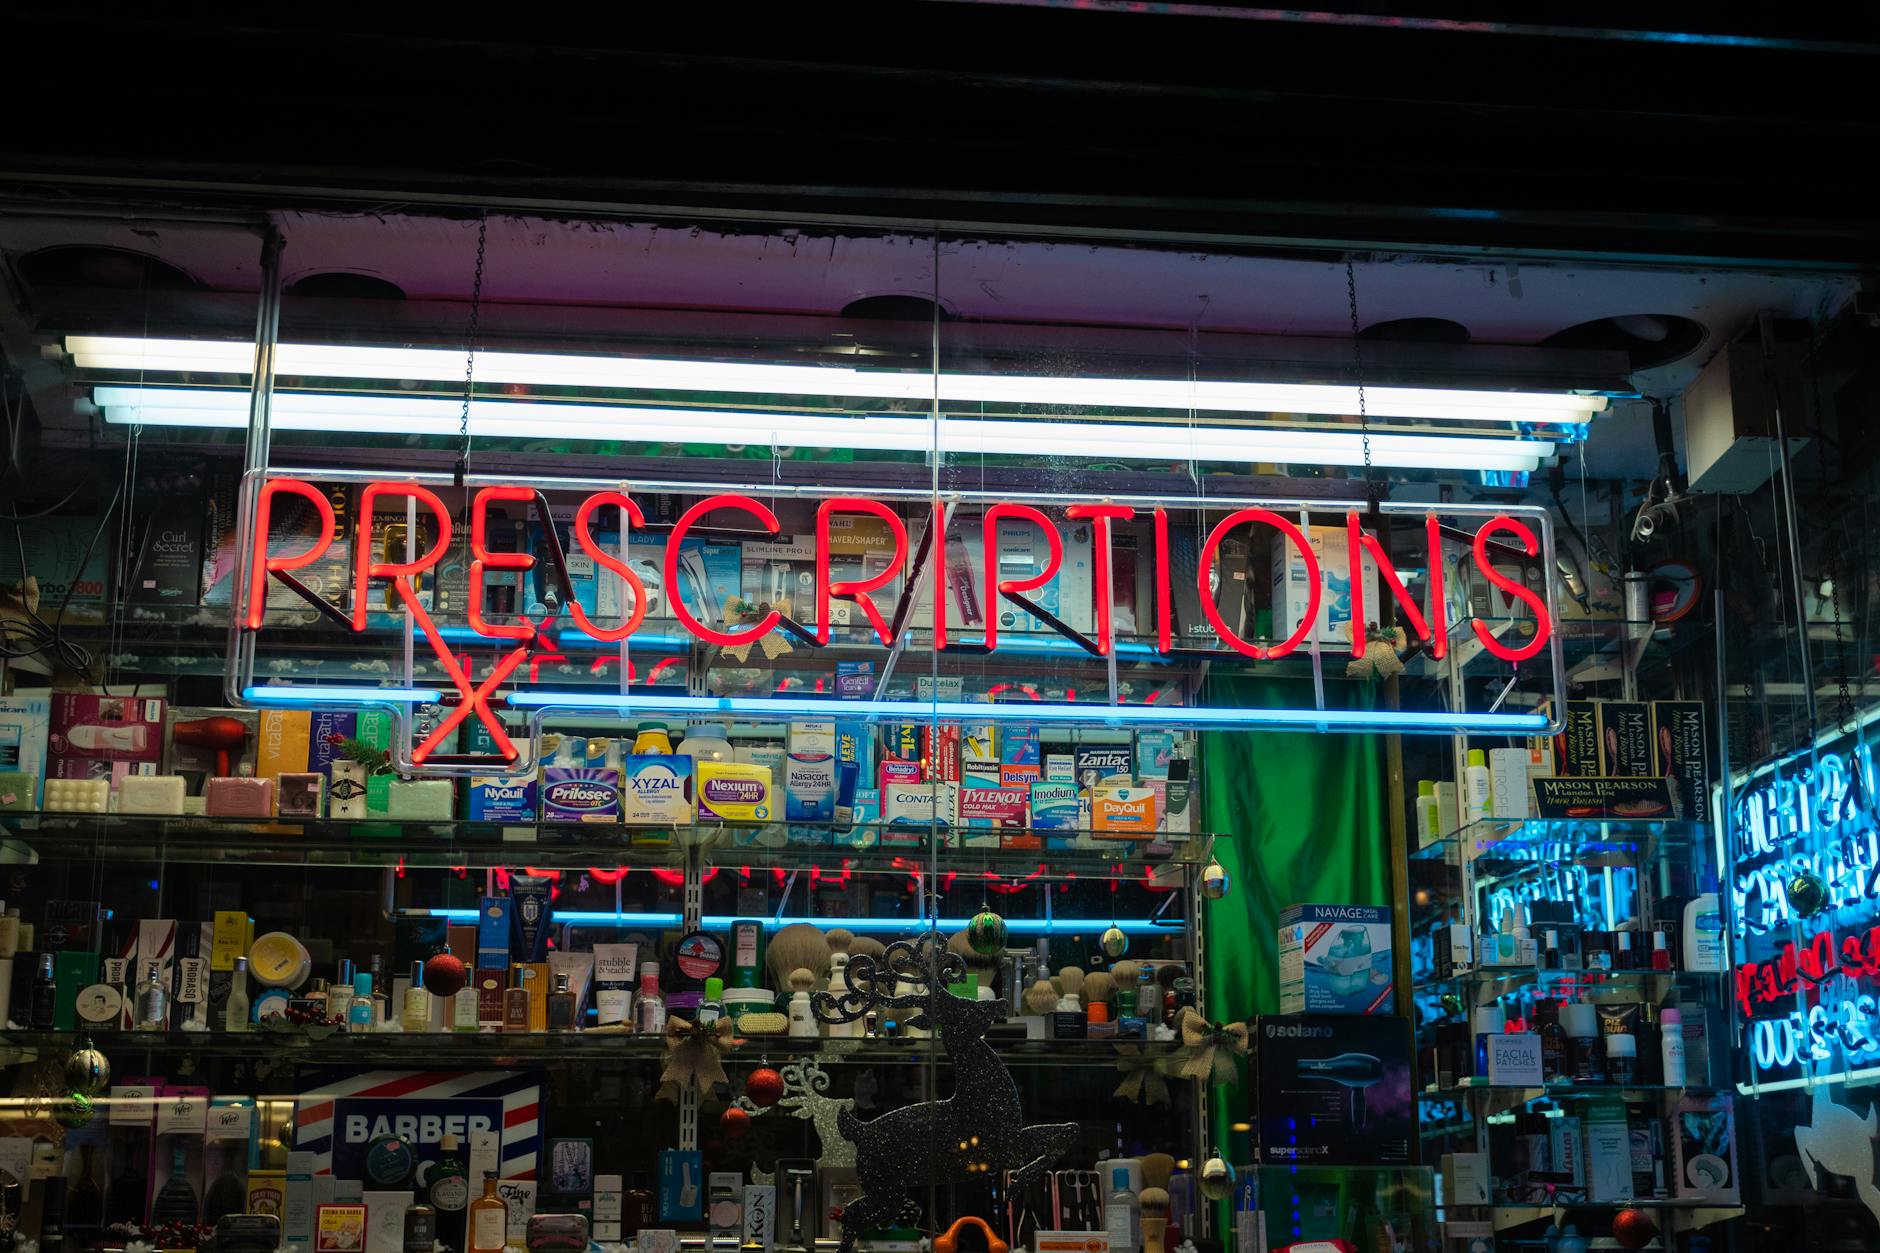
(330, 1095)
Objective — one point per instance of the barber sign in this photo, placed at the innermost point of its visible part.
(341, 1115)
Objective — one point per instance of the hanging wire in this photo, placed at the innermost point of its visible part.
(1357, 362)
(470, 349)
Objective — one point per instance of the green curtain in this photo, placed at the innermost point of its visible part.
(1298, 818)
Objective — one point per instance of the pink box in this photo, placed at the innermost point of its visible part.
(238, 798)
(1003, 806)
(104, 737)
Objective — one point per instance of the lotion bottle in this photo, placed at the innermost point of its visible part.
(1703, 931)
(1477, 791)
(1671, 1037)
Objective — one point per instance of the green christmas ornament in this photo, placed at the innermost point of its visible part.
(1114, 943)
(986, 933)
(1808, 894)
(1217, 1179)
(87, 1070)
(74, 1110)
(1214, 881)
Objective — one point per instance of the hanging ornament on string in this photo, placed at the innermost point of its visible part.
(1807, 892)
(1633, 1228)
(87, 1070)
(986, 933)
(1114, 943)
(1214, 880)
(74, 1110)
(764, 1086)
(1217, 1179)
(735, 1122)
(444, 973)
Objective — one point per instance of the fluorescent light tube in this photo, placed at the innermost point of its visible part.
(312, 696)
(420, 415)
(104, 352)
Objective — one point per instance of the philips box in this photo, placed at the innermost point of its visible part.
(1335, 959)
(1291, 594)
(24, 722)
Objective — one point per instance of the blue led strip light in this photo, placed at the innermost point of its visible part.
(313, 697)
(759, 707)
(1019, 926)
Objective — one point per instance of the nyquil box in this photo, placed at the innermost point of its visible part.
(1335, 959)
(494, 799)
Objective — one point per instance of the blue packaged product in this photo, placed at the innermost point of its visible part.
(493, 934)
(1054, 807)
(1154, 750)
(1335, 959)
(1097, 762)
(855, 741)
(580, 794)
(1018, 746)
(855, 680)
(502, 800)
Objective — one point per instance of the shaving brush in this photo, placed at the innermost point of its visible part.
(1127, 974)
(839, 940)
(987, 968)
(1099, 987)
(1070, 982)
(1041, 998)
(800, 945)
(1154, 1205)
(1157, 1169)
(865, 946)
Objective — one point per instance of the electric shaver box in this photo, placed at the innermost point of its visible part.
(1334, 1090)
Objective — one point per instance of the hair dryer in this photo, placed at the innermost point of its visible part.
(221, 733)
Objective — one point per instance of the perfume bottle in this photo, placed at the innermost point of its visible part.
(561, 1007)
(339, 997)
(361, 1011)
(46, 995)
(416, 1015)
(489, 1220)
(176, 1199)
(649, 1007)
(236, 1013)
(448, 1184)
(1661, 952)
(153, 1002)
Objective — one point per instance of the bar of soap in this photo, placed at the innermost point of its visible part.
(425, 800)
(151, 794)
(238, 798)
(300, 795)
(18, 791)
(78, 796)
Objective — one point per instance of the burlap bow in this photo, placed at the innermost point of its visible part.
(1142, 1075)
(740, 611)
(694, 1056)
(1210, 1048)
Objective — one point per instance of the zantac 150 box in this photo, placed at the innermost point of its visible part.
(1335, 959)
(1333, 1091)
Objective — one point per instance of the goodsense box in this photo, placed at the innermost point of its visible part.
(1335, 959)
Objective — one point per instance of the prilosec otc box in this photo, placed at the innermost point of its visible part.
(1335, 959)
(580, 794)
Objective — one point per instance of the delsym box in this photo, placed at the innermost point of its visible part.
(580, 794)
(1333, 1091)
(1335, 959)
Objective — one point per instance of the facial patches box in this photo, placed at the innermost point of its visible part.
(809, 773)
(1335, 959)
(656, 789)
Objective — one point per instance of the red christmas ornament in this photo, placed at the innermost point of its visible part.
(764, 1086)
(1633, 1228)
(734, 1122)
(443, 974)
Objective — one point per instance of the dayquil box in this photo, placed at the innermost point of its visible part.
(730, 791)
(656, 790)
(1123, 813)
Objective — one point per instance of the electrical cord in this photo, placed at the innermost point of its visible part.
(43, 636)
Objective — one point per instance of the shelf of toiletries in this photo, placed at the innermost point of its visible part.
(1495, 981)
(860, 848)
(319, 1046)
(1511, 1094)
(1501, 845)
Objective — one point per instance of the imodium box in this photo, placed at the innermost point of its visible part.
(655, 789)
(1335, 959)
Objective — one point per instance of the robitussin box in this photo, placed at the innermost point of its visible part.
(1333, 1090)
(1335, 959)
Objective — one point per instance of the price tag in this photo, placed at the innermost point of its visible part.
(229, 1122)
(182, 1115)
(1515, 1060)
(133, 1105)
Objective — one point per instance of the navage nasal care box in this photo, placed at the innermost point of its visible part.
(1335, 959)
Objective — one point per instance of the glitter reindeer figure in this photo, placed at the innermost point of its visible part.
(974, 1135)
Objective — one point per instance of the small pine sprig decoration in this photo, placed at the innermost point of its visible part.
(375, 760)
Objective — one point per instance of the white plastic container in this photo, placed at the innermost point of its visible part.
(1478, 801)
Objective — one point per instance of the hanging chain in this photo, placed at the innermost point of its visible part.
(1357, 361)
(1844, 710)
(470, 350)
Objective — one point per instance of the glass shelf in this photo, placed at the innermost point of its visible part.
(1501, 845)
(1558, 1091)
(1494, 981)
(497, 1048)
(65, 837)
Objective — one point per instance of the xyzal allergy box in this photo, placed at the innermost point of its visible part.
(1335, 959)
(657, 790)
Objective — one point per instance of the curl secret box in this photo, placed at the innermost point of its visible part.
(1335, 959)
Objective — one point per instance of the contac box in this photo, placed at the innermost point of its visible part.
(1335, 959)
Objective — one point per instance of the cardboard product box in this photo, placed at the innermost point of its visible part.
(810, 773)
(104, 737)
(197, 763)
(54, 547)
(25, 724)
(1576, 748)
(284, 743)
(655, 789)
(781, 572)
(168, 569)
(1626, 740)
(1335, 959)
(1123, 813)
(1330, 545)
(1101, 763)
(498, 799)
(293, 527)
(1509, 770)
(603, 594)
(1703, 1141)
(1333, 1090)
(1683, 745)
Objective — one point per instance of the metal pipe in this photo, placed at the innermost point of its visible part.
(238, 674)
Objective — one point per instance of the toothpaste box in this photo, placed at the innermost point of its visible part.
(1095, 763)
(580, 794)
(1335, 959)
(496, 799)
(1120, 812)
(809, 780)
(655, 789)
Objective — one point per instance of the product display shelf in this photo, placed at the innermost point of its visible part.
(1491, 842)
(470, 1049)
(65, 837)
(1523, 1094)
(1677, 1214)
(1493, 981)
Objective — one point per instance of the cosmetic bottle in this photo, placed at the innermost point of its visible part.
(516, 1009)
(712, 1007)
(838, 988)
(416, 1014)
(1487, 1020)
(1429, 816)
(339, 995)
(1477, 790)
(1553, 1041)
(153, 1001)
(649, 1007)
(420, 1227)
(489, 1220)
(1067, 1021)
(1585, 1059)
(1624, 957)
(1703, 931)
(802, 1016)
(1621, 1058)
(561, 1007)
(1661, 951)
(360, 1012)
(1121, 1219)
(235, 1012)
(381, 995)
(46, 998)
(1130, 1024)
(448, 1185)
(1671, 1043)
(1507, 946)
